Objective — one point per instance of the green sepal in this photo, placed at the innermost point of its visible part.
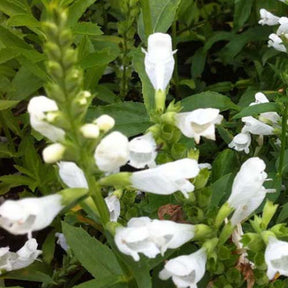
(121, 179)
(203, 232)
(71, 195)
(268, 212)
(253, 241)
(223, 213)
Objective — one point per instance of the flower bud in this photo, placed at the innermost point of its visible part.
(53, 153)
(105, 122)
(90, 131)
(112, 152)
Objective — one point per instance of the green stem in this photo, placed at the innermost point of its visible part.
(96, 195)
(145, 4)
(283, 139)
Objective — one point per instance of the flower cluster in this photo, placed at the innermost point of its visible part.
(265, 125)
(276, 40)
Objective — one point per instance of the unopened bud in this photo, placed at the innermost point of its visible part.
(53, 153)
(105, 122)
(90, 131)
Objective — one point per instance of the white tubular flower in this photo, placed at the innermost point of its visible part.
(151, 237)
(22, 258)
(167, 178)
(159, 61)
(186, 271)
(105, 122)
(266, 117)
(113, 205)
(27, 254)
(142, 151)
(256, 127)
(29, 214)
(169, 234)
(53, 153)
(248, 191)
(268, 18)
(276, 257)
(72, 175)
(112, 152)
(276, 42)
(37, 108)
(90, 131)
(200, 122)
(283, 28)
(61, 241)
(241, 142)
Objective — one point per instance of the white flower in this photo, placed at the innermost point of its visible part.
(53, 153)
(283, 28)
(90, 131)
(167, 178)
(151, 237)
(29, 214)
(276, 257)
(142, 151)
(159, 61)
(37, 108)
(266, 117)
(61, 241)
(200, 122)
(105, 122)
(113, 205)
(276, 42)
(248, 191)
(72, 175)
(112, 152)
(256, 127)
(22, 258)
(187, 270)
(268, 18)
(241, 142)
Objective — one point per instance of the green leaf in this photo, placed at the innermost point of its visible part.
(7, 54)
(98, 58)
(9, 39)
(162, 16)
(283, 214)
(77, 9)
(96, 257)
(221, 189)
(36, 272)
(147, 88)
(242, 12)
(130, 117)
(5, 104)
(238, 42)
(48, 247)
(23, 20)
(225, 162)
(199, 61)
(257, 109)
(105, 94)
(208, 99)
(6, 151)
(24, 84)
(87, 28)
(115, 281)
(14, 7)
